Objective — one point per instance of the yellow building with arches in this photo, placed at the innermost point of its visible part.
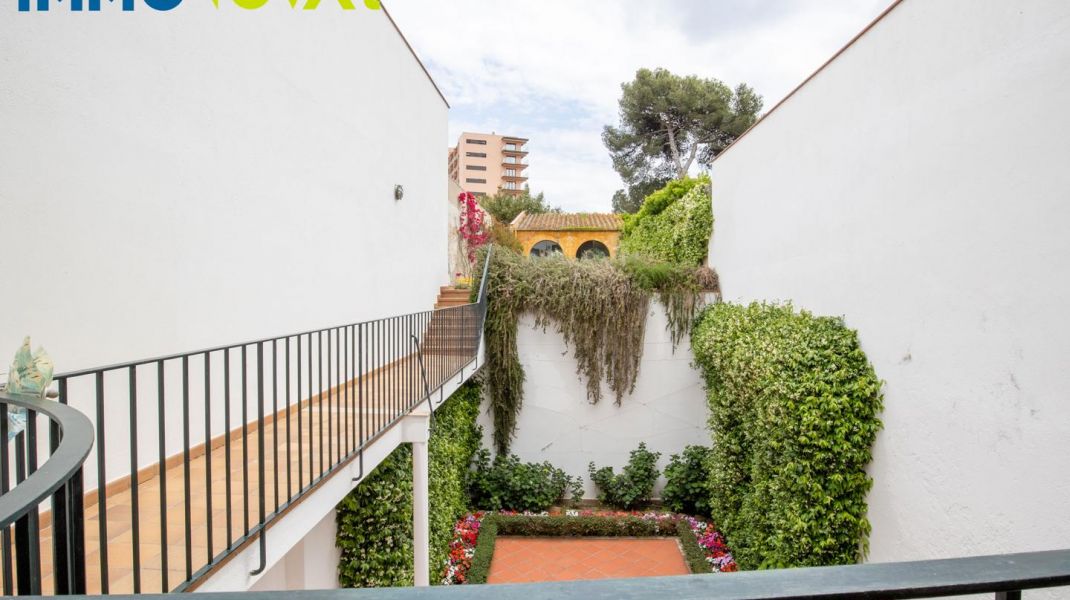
(579, 235)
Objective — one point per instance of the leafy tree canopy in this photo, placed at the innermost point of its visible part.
(668, 123)
(504, 206)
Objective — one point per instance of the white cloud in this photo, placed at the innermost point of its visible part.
(551, 70)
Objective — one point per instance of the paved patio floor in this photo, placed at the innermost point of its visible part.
(528, 559)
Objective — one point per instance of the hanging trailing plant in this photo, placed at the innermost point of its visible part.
(598, 306)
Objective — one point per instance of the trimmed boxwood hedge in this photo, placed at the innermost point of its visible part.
(794, 407)
(494, 525)
(375, 520)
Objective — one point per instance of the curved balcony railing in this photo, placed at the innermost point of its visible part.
(59, 479)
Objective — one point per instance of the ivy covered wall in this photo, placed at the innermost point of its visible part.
(673, 225)
(794, 406)
(375, 519)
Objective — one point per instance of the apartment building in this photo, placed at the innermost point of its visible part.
(486, 163)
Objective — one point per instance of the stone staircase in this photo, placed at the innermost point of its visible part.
(450, 296)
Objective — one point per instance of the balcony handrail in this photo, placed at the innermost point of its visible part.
(1005, 575)
(75, 442)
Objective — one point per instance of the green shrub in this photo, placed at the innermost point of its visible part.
(635, 483)
(508, 484)
(484, 553)
(673, 225)
(793, 410)
(375, 520)
(687, 486)
(375, 526)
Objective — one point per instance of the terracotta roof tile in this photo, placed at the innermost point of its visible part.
(565, 222)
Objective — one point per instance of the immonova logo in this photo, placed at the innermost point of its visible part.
(163, 5)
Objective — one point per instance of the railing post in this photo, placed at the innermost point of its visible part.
(421, 540)
(1014, 595)
(260, 454)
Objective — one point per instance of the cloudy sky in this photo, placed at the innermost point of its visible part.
(550, 70)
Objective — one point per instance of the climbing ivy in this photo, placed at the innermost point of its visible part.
(793, 410)
(673, 225)
(375, 520)
(598, 306)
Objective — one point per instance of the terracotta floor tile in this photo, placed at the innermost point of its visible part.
(524, 559)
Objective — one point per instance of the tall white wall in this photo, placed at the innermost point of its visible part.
(179, 180)
(558, 424)
(918, 186)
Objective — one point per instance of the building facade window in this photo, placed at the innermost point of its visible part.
(476, 142)
(474, 180)
(476, 154)
(592, 249)
(475, 168)
(546, 248)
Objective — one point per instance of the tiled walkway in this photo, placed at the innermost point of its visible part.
(528, 559)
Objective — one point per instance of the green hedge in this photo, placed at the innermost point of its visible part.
(693, 553)
(375, 519)
(494, 525)
(674, 224)
(793, 410)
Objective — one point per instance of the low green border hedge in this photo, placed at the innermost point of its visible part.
(494, 525)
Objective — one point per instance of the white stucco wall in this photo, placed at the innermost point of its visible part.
(558, 424)
(179, 180)
(918, 186)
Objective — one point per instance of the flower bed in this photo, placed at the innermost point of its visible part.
(472, 546)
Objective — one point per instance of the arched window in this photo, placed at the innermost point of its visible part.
(546, 248)
(592, 249)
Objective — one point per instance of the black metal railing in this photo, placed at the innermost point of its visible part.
(1004, 576)
(58, 480)
(198, 452)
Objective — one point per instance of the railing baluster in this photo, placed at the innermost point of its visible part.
(245, 437)
(346, 378)
(330, 407)
(289, 485)
(74, 505)
(227, 485)
(102, 480)
(300, 429)
(210, 554)
(135, 530)
(27, 532)
(5, 483)
(275, 415)
(162, 471)
(360, 387)
(262, 471)
(339, 446)
(187, 497)
(319, 398)
(61, 563)
(311, 435)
